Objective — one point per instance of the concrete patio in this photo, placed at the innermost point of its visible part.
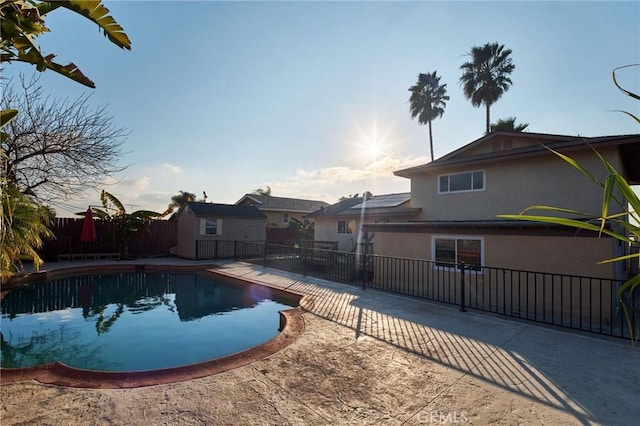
(368, 357)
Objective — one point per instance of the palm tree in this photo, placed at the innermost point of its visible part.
(486, 77)
(125, 224)
(427, 101)
(178, 202)
(508, 125)
(265, 192)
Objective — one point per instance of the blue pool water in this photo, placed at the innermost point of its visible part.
(134, 321)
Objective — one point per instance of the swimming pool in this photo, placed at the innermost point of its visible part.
(136, 320)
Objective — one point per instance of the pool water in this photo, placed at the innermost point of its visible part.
(134, 321)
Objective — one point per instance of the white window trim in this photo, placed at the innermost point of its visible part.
(484, 182)
(455, 237)
(203, 226)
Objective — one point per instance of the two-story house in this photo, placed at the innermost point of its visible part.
(460, 195)
(342, 221)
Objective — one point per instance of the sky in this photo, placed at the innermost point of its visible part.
(311, 98)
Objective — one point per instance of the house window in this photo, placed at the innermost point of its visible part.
(346, 226)
(449, 251)
(381, 220)
(210, 227)
(461, 182)
(285, 218)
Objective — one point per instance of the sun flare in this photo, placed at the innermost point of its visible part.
(372, 144)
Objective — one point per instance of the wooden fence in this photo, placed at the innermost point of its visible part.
(162, 236)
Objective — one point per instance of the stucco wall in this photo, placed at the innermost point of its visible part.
(553, 254)
(562, 255)
(232, 229)
(186, 234)
(543, 297)
(326, 228)
(511, 185)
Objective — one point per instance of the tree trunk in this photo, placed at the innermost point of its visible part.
(431, 140)
(488, 119)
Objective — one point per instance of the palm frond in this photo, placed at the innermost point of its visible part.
(95, 11)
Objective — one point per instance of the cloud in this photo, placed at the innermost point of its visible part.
(171, 168)
(152, 188)
(137, 184)
(330, 183)
(382, 168)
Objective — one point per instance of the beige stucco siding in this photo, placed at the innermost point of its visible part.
(539, 296)
(187, 228)
(407, 245)
(326, 228)
(513, 185)
(552, 254)
(560, 255)
(230, 228)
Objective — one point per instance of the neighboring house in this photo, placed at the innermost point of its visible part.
(342, 221)
(459, 195)
(280, 210)
(201, 224)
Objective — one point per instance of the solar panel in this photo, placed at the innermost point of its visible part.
(390, 200)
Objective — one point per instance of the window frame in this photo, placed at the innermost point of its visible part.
(456, 238)
(206, 225)
(471, 172)
(346, 227)
(285, 218)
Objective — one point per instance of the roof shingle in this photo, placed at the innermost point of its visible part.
(225, 210)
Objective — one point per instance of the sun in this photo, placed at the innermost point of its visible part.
(374, 150)
(372, 144)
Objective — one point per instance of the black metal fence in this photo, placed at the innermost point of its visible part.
(219, 249)
(222, 249)
(576, 302)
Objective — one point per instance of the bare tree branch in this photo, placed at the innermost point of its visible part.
(58, 148)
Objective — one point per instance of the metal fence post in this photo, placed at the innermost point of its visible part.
(363, 271)
(462, 301)
(304, 260)
(265, 254)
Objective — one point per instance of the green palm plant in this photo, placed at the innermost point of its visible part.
(24, 229)
(486, 77)
(125, 224)
(508, 125)
(23, 21)
(428, 101)
(615, 192)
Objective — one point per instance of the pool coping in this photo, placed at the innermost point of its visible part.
(291, 327)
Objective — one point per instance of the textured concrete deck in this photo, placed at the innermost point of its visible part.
(368, 357)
